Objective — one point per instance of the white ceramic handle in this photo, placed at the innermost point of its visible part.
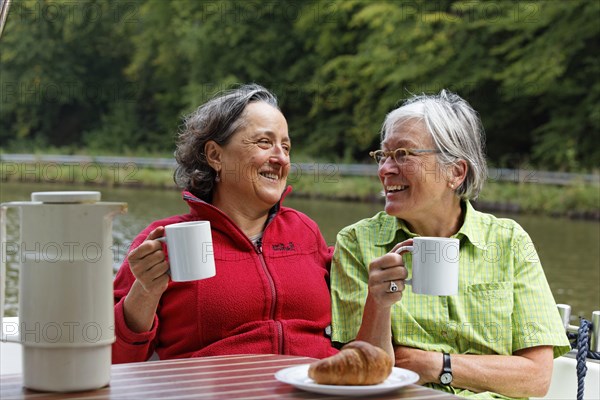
(163, 239)
(399, 251)
(3, 210)
(405, 248)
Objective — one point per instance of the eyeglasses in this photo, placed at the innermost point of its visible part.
(399, 154)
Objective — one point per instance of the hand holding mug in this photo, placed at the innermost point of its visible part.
(386, 278)
(148, 264)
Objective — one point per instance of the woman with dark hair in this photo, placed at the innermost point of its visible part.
(270, 293)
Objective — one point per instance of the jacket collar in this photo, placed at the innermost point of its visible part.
(201, 210)
(197, 204)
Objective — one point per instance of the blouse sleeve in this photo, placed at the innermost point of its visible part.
(349, 287)
(536, 321)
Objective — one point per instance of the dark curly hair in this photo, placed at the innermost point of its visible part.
(218, 119)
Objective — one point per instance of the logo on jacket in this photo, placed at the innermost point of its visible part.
(283, 247)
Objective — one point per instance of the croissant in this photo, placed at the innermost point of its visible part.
(358, 363)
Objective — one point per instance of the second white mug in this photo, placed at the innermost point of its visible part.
(190, 251)
(434, 265)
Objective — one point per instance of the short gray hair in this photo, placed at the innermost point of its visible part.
(218, 119)
(456, 130)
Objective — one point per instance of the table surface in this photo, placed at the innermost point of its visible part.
(222, 377)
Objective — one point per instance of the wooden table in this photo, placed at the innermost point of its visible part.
(223, 377)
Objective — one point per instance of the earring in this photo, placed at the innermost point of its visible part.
(217, 178)
(452, 185)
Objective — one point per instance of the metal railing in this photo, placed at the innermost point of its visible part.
(323, 169)
(565, 313)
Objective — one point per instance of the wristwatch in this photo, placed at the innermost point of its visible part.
(446, 375)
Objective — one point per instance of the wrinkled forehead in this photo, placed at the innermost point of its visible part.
(410, 133)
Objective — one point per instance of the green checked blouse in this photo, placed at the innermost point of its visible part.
(504, 302)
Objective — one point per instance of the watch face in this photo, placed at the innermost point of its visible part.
(446, 378)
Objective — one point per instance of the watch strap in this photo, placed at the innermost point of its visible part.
(447, 364)
(446, 375)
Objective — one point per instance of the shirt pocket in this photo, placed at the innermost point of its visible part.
(494, 291)
(491, 304)
(489, 308)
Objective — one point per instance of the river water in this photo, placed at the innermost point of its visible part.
(569, 249)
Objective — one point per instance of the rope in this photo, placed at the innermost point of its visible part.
(581, 342)
(583, 346)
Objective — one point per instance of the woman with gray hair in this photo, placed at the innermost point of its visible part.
(499, 334)
(270, 294)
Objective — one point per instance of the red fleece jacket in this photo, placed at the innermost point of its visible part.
(270, 300)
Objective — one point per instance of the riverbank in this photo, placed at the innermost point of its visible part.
(578, 200)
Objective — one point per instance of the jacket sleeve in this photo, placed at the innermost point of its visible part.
(130, 346)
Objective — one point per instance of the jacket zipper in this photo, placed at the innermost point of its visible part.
(258, 249)
(273, 295)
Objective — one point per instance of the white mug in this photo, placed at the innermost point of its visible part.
(190, 250)
(434, 265)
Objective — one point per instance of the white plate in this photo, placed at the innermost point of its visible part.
(298, 376)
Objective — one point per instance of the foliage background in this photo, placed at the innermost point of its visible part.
(115, 77)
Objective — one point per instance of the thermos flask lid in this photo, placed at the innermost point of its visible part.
(66, 197)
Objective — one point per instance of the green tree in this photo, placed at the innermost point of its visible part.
(529, 68)
(60, 68)
(118, 76)
(186, 51)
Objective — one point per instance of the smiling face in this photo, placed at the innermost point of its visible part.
(254, 164)
(416, 190)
